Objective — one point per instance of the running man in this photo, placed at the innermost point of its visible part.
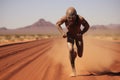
(73, 23)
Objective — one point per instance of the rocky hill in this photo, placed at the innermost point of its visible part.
(40, 27)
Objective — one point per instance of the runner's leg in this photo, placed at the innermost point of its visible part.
(79, 44)
(72, 56)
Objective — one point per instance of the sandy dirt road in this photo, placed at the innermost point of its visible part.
(48, 59)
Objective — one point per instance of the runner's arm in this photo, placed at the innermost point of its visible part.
(85, 25)
(58, 25)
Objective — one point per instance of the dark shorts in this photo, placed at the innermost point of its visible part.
(72, 38)
(78, 40)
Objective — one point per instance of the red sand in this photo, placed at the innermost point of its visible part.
(47, 59)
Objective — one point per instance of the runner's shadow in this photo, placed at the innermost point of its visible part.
(103, 73)
(111, 73)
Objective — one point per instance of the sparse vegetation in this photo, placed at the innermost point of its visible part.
(110, 37)
(7, 39)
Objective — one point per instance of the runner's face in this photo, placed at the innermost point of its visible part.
(71, 16)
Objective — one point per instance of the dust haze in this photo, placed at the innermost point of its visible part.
(97, 61)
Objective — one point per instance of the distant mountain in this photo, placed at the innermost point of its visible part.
(3, 28)
(40, 23)
(45, 27)
(100, 27)
(40, 27)
(105, 29)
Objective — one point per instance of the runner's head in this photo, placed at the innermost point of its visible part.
(71, 14)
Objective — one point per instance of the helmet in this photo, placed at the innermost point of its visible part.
(71, 13)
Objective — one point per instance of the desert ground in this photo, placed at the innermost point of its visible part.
(48, 59)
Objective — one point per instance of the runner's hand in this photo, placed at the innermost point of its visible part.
(64, 35)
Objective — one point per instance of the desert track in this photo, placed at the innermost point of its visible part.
(47, 59)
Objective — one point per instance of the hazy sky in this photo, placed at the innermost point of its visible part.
(19, 13)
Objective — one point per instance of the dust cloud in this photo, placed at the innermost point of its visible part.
(97, 61)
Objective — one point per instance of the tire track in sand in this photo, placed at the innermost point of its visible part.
(22, 63)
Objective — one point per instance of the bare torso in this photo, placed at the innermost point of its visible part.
(73, 28)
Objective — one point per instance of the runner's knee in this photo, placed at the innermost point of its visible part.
(73, 54)
(80, 53)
